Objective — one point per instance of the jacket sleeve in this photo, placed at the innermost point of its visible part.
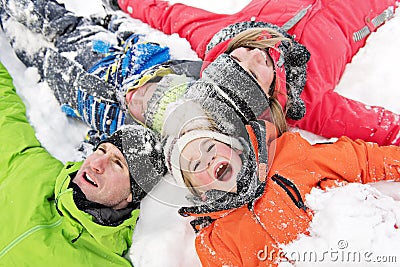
(328, 33)
(196, 25)
(357, 161)
(21, 155)
(332, 164)
(336, 116)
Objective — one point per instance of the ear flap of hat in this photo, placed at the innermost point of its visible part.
(297, 55)
(296, 58)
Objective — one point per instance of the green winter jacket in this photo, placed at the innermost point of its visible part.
(40, 223)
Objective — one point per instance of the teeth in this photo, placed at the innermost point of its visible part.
(264, 55)
(90, 179)
(221, 170)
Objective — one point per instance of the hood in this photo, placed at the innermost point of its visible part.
(256, 158)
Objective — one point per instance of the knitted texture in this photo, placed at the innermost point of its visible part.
(168, 90)
(127, 59)
(144, 156)
(227, 73)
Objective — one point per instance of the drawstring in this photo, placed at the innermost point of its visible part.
(76, 238)
(285, 183)
(293, 21)
(259, 140)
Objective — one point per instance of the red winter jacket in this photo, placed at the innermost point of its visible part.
(251, 235)
(326, 30)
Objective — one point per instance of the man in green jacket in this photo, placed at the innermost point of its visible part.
(79, 214)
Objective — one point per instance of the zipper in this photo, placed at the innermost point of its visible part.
(289, 186)
(59, 194)
(28, 233)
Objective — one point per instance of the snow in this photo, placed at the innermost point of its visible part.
(361, 235)
(356, 220)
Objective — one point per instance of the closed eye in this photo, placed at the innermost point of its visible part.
(103, 150)
(196, 166)
(119, 163)
(210, 147)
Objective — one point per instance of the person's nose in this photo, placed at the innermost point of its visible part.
(211, 160)
(99, 164)
(256, 56)
(206, 159)
(210, 157)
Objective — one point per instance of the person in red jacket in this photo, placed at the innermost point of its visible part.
(249, 200)
(332, 32)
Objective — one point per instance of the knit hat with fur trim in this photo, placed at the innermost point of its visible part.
(173, 147)
(144, 156)
(292, 59)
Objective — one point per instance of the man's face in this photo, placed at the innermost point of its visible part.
(104, 177)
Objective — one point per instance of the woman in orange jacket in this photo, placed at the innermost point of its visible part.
(249, 200)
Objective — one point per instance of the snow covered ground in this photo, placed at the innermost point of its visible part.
(356, 225)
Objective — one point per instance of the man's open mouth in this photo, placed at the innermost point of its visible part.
(89, 179)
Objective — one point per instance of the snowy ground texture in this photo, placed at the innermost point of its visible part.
(356, 225)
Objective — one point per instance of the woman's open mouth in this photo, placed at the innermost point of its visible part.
(223, 171)
(264, 55)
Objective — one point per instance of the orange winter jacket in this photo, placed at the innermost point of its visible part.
(251, 235)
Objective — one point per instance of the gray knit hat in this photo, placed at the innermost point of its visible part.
(228, 108)
(227, 74)
(144, 156)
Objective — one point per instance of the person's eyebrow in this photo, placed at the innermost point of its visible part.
(123, 161)
(116, 156)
